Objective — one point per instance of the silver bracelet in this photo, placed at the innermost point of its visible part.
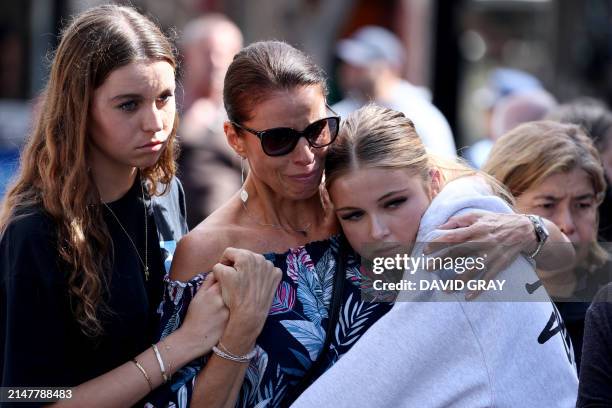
(161, 363)
(223, 352)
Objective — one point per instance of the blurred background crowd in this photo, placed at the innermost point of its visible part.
(465, 71)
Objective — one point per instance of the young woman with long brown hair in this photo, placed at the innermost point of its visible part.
(92, 219)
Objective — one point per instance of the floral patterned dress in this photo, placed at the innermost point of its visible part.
(294, 332)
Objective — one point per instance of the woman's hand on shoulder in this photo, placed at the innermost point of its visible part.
(502, 237)
(497, 238)
(485, 226)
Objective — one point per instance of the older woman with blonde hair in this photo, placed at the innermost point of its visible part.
(554, 171)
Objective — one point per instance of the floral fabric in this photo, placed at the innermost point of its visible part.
(294, 332)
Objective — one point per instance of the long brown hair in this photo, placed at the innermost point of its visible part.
(54, 165)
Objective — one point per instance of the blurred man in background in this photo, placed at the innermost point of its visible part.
(373, 59)
(510, 98)
(209, 169)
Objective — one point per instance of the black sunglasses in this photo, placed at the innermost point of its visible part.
(282, 140)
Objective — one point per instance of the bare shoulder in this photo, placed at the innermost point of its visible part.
(203, 246)
(198, 252)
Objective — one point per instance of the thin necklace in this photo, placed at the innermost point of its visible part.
(145, 263)
(302, 231)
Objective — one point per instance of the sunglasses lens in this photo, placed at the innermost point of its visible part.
(322, 132)
(281, 141)
(278, 142)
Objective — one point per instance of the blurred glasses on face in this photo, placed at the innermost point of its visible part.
(282, 140)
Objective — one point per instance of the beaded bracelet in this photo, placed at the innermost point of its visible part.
(223, 352)
(144, 372)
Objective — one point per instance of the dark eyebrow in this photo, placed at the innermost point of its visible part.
(382, 198)
(139, 96)
(585, 196)
(126, 96)
(348, 209)
(553, 198)
(547, 197)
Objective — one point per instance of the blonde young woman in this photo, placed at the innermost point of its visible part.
(554, 171)
(92, 219)
(434, 349)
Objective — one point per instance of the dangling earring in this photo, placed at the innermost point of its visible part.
(244, 196)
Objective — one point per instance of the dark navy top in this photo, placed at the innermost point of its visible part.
(41, 344)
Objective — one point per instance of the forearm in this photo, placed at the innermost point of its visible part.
(126, 384)
(219, 383)
(249, 286)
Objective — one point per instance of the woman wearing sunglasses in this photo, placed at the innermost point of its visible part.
(280, 123)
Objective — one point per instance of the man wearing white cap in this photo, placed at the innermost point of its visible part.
(373, 59)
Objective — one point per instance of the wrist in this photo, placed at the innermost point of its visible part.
(190, 345)
(246, 322)
(223, 352)
(531, 243)
(540, 232)
(239, 338)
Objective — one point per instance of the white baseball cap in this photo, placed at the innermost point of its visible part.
(369, 44)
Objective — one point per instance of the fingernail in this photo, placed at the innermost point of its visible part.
(470, 296)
